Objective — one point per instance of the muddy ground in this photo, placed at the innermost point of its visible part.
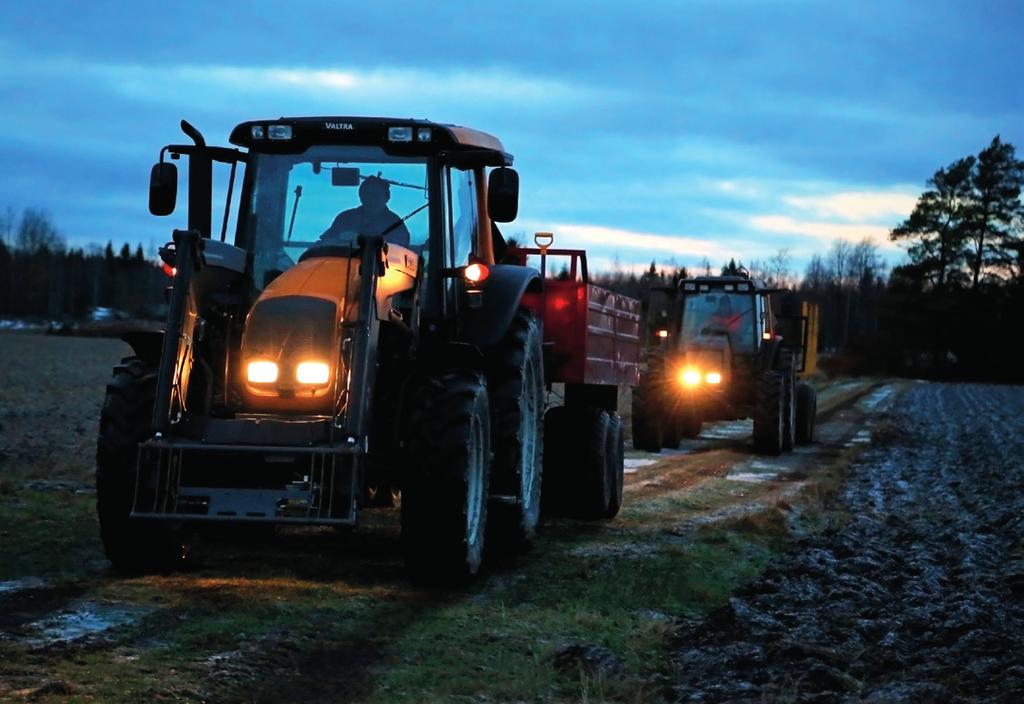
(676, 599)
(917, 596)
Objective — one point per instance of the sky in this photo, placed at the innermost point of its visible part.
(666, 131)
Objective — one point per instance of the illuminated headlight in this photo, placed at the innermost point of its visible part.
(690, 377)
(713, 378)
(262, 372)
(257, 132)
(424, 134)
(312, 373)
(279, 131)
(399, 134)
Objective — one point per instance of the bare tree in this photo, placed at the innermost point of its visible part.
(36, 233)
(778, 267)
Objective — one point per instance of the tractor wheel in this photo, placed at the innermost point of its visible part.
(593, 485)
(768, 420)
(444, 495)
(787, 367)
(132, 546)
(648, 428)
(561, 457)
(615, 459)
(691, 424)
(806, 410)
(672, 430)
(516, 380)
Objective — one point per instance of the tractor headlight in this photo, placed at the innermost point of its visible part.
(713, 378)
(314, 373)
(262, 371)
(690, 377)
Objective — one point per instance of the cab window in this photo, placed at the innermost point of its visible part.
(462, 215)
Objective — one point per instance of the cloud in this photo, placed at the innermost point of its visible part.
(823, 231)
(857, 206)
(629, 241)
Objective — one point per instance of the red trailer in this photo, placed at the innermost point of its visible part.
(591, 348)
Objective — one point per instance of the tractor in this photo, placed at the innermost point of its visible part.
(359, 340)
(716, 353)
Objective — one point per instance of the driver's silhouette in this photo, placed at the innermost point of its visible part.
(723, 317)
(371, 217)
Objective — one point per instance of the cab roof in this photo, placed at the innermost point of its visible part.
(426, 137)
(720, 281)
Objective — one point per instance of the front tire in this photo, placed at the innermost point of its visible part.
(648, 422)
(444, 496)
(787, 367)
(133, 546)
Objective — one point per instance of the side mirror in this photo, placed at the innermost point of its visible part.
(503, 194)
(163, 188)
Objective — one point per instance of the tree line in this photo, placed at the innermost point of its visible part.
(41, 277)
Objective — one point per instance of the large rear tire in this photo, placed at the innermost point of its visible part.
(515, 378)
(768, 419)
(806, 410)
(787, 367)
(444, 495)
(133, 546)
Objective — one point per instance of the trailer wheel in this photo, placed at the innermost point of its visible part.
(557, 477)
(768, 421)
(615, 459)
(132, 546)
(648, 433)
(516, 381)
(787, 366)
(444, 495)
(806, 410)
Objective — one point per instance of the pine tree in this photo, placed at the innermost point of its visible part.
(937, 226)
(996, 183)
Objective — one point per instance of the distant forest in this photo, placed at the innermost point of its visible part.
(953, 309)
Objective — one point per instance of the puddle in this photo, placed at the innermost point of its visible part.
(631, 465)
(82, 620)
(20, 585)
(752, 477)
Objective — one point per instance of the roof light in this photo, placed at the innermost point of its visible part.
(257, 132)
(744, 287)
(399, 134)
(476, 273)
(689, 287)
(424, 134)
(279, 131)
(729, 287)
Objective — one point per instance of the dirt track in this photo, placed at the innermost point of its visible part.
(918, 597)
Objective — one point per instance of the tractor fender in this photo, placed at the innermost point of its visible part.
(147, 344)
(500, 297)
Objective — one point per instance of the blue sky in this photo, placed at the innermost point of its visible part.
(645, 130)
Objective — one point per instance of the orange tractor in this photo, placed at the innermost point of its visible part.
(364, 334)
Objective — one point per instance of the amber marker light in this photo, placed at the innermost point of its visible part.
(663, 334)
(262, 371)
(713, 378)
(312, 373)
(690, 377)
(767, 336)
(476, 273)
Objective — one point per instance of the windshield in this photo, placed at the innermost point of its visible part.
(329, 195)
(720, 313)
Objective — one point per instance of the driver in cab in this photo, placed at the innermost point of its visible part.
(371, 217)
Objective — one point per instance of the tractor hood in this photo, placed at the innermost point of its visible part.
(291, 346)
